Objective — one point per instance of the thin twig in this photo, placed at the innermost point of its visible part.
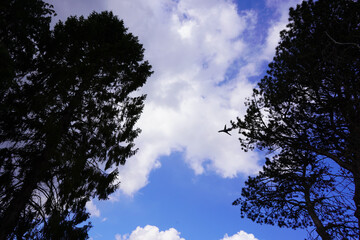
(336, 42)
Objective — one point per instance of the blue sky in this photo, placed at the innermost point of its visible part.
(207, 55)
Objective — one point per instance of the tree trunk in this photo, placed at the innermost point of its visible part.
(18, 203)
(320, 229)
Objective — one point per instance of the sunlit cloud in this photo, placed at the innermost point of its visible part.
(192, 46)
(153, 233)
(203, 53)
(150, 233)
(92, 209)
(240, 236)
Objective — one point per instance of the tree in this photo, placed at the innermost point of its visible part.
(309, 100)
(297, 190)
(67, 119)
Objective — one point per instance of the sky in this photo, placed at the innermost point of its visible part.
(207, 56)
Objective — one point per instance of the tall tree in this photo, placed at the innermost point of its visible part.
(309, 100)
(67, 120)
(296, 189)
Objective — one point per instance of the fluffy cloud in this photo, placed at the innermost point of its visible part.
(203, 53)
(153, 233)
(281, 7)
(150, 233)
(202, 57)
(240, 236)
(92, 209)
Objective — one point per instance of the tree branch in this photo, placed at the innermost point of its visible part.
(340, 43)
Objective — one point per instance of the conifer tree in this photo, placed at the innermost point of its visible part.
(68, 116)
(308, 104)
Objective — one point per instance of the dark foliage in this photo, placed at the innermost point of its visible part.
(67, 117)
(307, 108)
(297, 190)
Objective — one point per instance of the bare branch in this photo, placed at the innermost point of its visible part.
(340, 43)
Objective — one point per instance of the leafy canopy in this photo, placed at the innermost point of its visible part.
(306, 111)
(67, 116)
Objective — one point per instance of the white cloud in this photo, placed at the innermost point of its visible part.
(150, 233)
(191, 46)
(93, 210)
(240, 236)
(153, 233)
(273, 36)
(119, 237)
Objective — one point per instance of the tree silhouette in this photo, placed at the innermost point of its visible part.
(298, 190)
(67, 117)
(308, 104)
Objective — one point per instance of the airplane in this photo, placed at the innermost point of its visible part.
(226, 130)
